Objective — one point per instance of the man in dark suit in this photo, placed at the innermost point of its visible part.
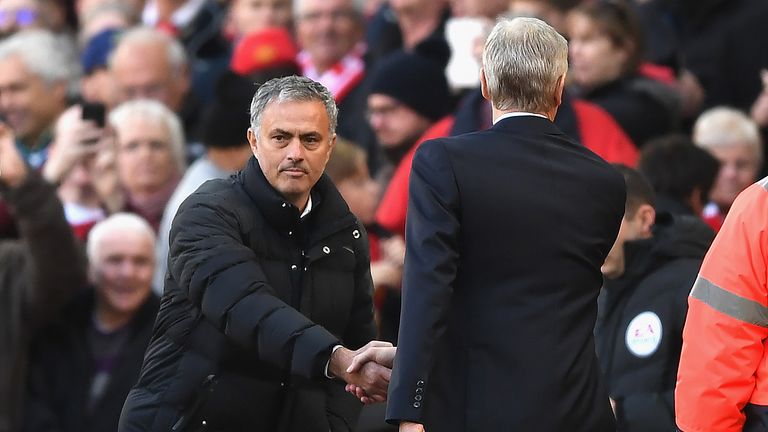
(506, 232)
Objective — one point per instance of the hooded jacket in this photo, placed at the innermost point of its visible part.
(640, 321)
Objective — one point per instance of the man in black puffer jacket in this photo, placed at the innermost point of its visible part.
(268, 276)
(642, 307)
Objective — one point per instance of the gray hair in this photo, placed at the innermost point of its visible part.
(116, 221)
(522, 60)
(358, 7)
(44, 55)
(292, 88)
(725, 126)
(177, 56)
(158, 113)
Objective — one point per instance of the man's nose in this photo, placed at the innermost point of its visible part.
(295, 150)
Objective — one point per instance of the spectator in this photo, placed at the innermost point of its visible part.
(36, 70)
(329, 33)
(734, 139)
(149, 156)
(247, 16)
(84, 364)
(420, 20)
(40, 272)
(409, 103)
(404, 24)
(681, 174)
(96, 85)
(147, 64)
(72, 166)
(606, 50)
(641, 308)
(198, 25)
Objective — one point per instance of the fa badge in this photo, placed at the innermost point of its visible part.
(644, 334)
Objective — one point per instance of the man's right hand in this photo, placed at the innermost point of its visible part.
(370, 377)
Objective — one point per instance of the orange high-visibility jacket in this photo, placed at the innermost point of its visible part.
(724, 361)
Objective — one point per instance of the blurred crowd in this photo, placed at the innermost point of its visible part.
(113, 112)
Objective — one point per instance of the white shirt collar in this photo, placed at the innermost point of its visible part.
(307, 208)
(180, 18)
(517, 114)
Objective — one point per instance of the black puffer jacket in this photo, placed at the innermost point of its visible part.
(254, 301)
(640, 321)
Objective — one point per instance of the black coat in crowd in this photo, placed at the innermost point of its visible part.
(255, 300)
(645, 109)
(507, 229)
(62, 369)
(640, 323)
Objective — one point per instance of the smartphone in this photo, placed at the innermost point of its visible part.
(94, 112)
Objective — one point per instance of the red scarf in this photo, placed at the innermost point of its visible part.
(340, 79)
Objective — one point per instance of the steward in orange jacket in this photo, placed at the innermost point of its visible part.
(722, 381)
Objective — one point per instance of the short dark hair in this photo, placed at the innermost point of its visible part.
(676, 167)
(639, 191)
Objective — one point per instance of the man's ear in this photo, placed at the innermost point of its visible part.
(484, 85)
(647, 216)
(559, 89)
(252, 140)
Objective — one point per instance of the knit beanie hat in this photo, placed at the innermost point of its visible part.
(416, 79)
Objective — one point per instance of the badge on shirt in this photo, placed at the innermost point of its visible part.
(644, 334)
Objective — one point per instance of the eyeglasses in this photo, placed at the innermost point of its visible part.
(382, 111)
(23, 17)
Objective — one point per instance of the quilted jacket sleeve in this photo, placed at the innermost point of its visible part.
(225, 281)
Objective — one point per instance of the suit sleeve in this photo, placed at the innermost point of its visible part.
(432, 237)
(225, 281)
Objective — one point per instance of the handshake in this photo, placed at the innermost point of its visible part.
(366, 371)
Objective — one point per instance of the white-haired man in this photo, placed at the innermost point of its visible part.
(506, 232)
(83, 366)
(36, 70)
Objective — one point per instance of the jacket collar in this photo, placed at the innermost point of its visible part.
(527, 125)
(329, 214)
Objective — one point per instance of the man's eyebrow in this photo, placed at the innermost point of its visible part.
(278, 131)
(311, 135)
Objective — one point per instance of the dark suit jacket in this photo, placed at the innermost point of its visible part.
(506, 232)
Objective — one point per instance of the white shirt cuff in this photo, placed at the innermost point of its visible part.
(329, 361)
